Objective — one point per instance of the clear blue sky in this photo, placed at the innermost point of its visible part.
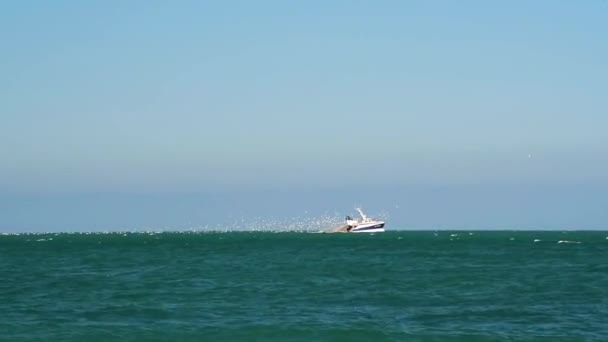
(444, 113)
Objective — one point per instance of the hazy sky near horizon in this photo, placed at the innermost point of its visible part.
(107, 98)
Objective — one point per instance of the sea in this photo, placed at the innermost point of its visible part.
(302, 286)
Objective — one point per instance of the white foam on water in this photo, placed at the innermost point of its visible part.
(453, 234)
(567, 241)
(537, 240)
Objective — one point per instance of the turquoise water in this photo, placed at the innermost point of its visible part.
(415, 286)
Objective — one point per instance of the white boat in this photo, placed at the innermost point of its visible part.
(364, 225)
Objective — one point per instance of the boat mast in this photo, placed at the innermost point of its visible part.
(363, 216)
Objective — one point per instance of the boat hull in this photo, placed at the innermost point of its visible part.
(375, 230)
(376, 227)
